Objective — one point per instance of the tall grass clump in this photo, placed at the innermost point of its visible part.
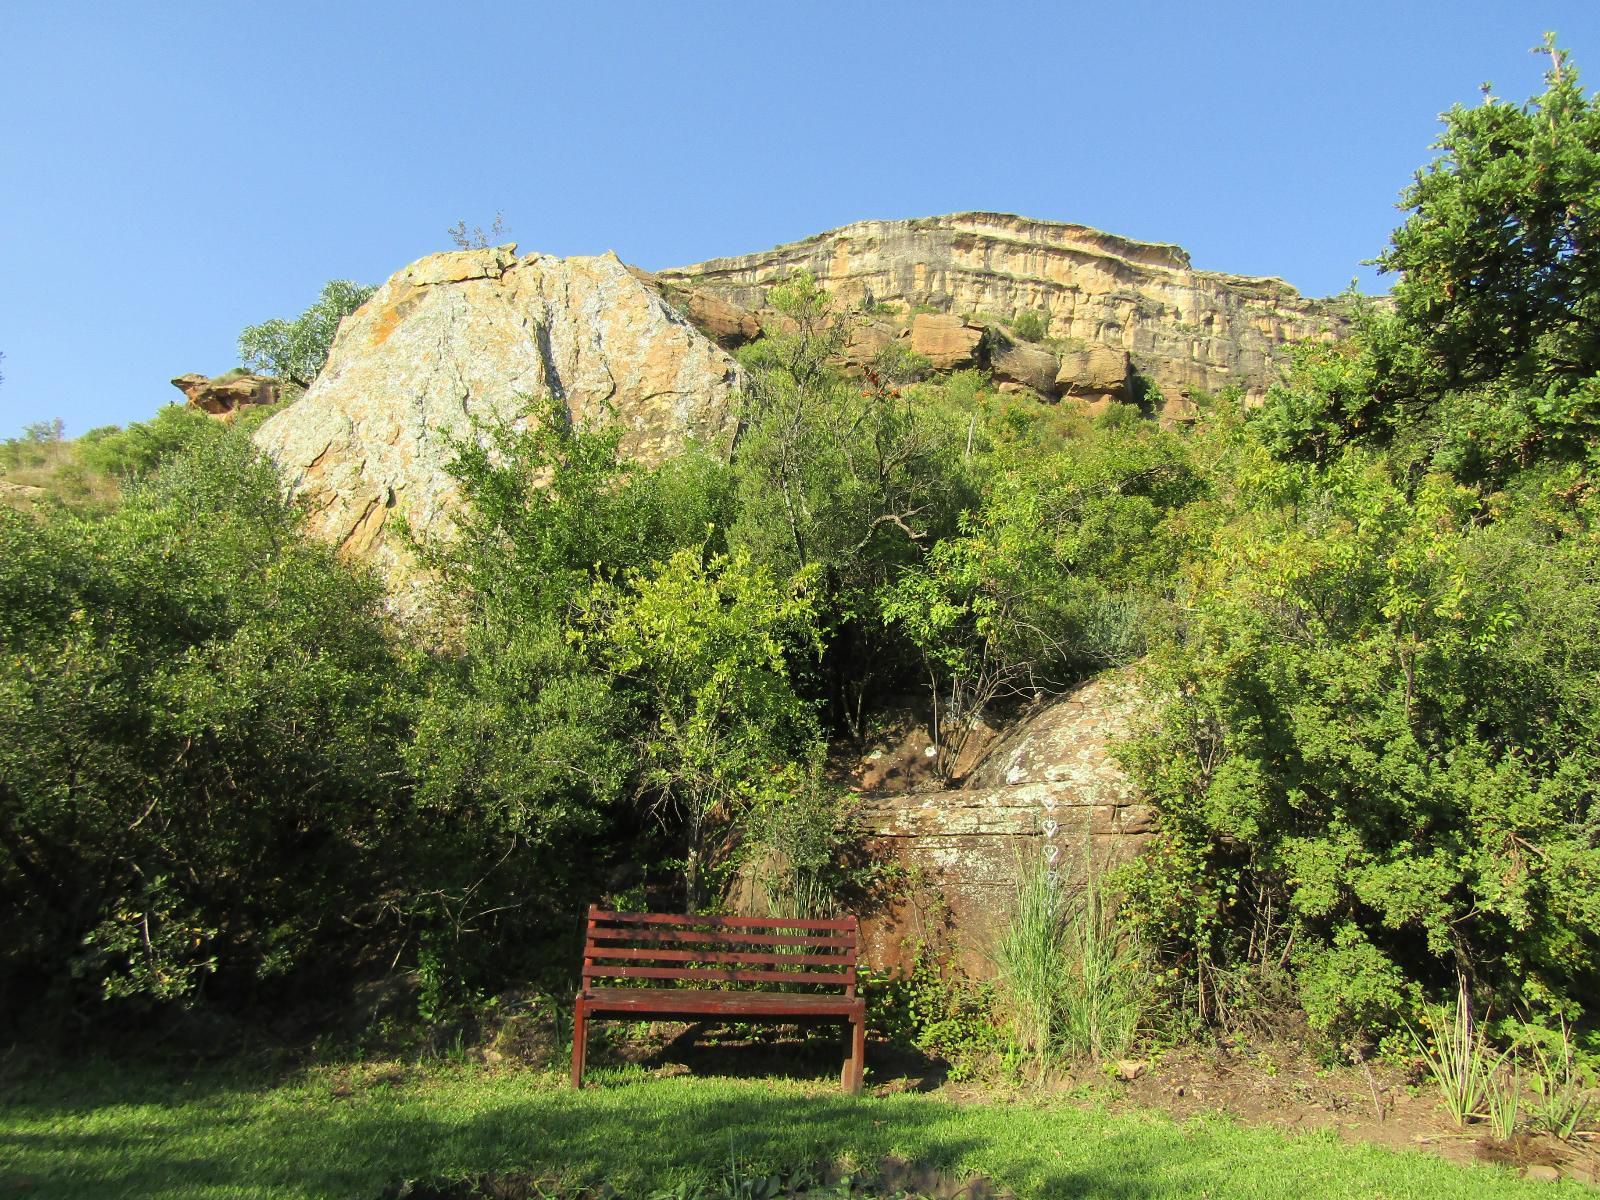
(1070, 974)
(1458, 1058)
(1562, 1104)
(1103, 993)
(1031, 958)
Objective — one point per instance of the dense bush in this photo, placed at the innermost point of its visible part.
(1370, 614)
(1376, 767)
(1376, 763)
(198, 743)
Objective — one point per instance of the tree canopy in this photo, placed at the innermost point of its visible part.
(295, 350)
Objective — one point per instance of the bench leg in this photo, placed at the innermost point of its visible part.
(580, 1042)
(850, 1077)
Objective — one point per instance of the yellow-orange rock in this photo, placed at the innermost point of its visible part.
(1032, 367)
(949, 343)
(1095, 375)
(1186, 330)
(475, 335)
(224, 396)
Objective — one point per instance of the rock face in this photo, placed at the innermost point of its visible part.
(1096, 377)
(1023, 366)
(223, 396)
(1050, 788)
(472, 335)
(949, 343)
(1184, 330)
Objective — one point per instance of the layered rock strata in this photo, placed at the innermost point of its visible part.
(1182, 329)
(1050, 790)
(467, 339)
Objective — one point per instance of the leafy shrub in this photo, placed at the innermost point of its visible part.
(1340, 787)
(933, 1008)
(1031, 326)
(199, 736)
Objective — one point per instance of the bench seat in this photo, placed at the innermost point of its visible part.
(779, 969)
(687, 1003)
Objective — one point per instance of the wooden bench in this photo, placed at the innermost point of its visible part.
(661, 956)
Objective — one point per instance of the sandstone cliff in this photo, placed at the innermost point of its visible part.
(1184, 330)
(471, 335)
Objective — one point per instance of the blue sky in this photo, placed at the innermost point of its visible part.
(171, 173)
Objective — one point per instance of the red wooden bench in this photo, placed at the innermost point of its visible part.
(660, 957)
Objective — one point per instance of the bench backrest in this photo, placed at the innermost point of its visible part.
(664, 948)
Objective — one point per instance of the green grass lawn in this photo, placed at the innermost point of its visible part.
(113, 1132)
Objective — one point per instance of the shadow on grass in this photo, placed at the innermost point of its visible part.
(707, 1050)
(637, 1136)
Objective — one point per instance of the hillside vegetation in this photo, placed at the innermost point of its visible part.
(1368, 614)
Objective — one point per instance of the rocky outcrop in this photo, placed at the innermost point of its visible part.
(1184, 330)
(225, 395)
(1017, 366)
(1096, 377)
(723, 322)
(470, 336)
(21, 495)
(1050, 788)
(948, 343)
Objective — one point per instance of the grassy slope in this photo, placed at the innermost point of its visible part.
(107, 1134)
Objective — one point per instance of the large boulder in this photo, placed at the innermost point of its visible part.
(1050, 788)
(1096, 376)
(949, 343)
(867, 340)
(474, 336)
(1032, 367)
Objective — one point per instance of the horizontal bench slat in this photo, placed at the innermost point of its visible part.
(699, 937)
(846, 978)
(597, 914)
(601, 954)
(692, 1003)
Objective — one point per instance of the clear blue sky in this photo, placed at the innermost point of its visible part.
(170, 173)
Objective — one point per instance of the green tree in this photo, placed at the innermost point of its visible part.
(1048, 578)
(199, 735)
(703, 648)
(854, 478)
(1499, 266)
(1373, 760)
(295, 351)
(525, 742)
(1488, 360)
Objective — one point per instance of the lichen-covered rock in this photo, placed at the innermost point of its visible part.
(224, 396)
(1051, 788)
(1186, 330)
(471, 336)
